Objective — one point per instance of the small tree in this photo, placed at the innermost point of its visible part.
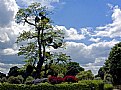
(73, 68)
(13, 71)
(41, 36)
(101, 73)
(2, 75)
(104, 70)
(85, 75)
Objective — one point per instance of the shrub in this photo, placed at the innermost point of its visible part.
(2, 75)
(55, 80)
(13, 71)
(108, 87)
(97, 78)
(82, 85)
(4, 79)
(61, 75)
(29, 80)
(70, 79)
(59, 80)
(108, 79)
(15, 80)
(94, 84)
(20, 78)
(85, 75)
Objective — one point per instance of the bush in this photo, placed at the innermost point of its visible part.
(58, 80)
(108, 79)
(20, 78)
(13, 71)
(70, 79)
(85, 75)
(108, 87)
(82, 85)
(2, 75)
(15, 80)
(4, 79)
(94, 84)
(29, 80)
(97, 78)
(55, 80)
(61, 75)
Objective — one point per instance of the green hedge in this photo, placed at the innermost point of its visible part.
(96, 84)
(81, 85)
(108, 87)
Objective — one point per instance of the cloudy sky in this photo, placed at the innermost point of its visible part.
(92, 28)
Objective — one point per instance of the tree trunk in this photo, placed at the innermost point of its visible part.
(41, 57)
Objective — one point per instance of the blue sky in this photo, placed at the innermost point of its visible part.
(92, 28)
(84, 13)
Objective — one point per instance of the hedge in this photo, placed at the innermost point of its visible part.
(108, 87)
(94, 84)
(81, 85)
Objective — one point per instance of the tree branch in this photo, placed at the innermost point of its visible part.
(29, 22)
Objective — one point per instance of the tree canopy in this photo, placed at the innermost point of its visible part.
(112, 65)
(39, 38)
(115, 63)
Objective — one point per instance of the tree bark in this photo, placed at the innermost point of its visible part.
(41, 57)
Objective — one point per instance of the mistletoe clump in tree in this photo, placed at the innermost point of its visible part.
(41, 36)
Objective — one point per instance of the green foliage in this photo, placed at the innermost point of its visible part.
(3, 79)
(59, 68)
(82, 85)
(94, 84)
(13, 71)
(114, 63)
(29, 70)
(101, 73)
(85, 75)
(73, 68)
(2, 75)
(61, 75)
(20, 78)
(108, 87)
(29, 80)
(108, 78)
(15, 80)
(41, 36)
(97, 78)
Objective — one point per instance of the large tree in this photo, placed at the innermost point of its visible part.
(41, 36)
(114, 64)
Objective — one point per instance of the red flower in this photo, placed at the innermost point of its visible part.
(55, 80)
(70, 79)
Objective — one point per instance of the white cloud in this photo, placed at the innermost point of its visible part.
(4, 37)
(94, 67)
(9, 51)
(89, 56)
(8, 9)
(88, 31)
(5, 67)
(71, 34)
(95, 39)
(101, 49)
(113, 29)
(46, 3)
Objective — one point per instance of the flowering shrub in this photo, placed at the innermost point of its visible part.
(55, 80)
(70, 79)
